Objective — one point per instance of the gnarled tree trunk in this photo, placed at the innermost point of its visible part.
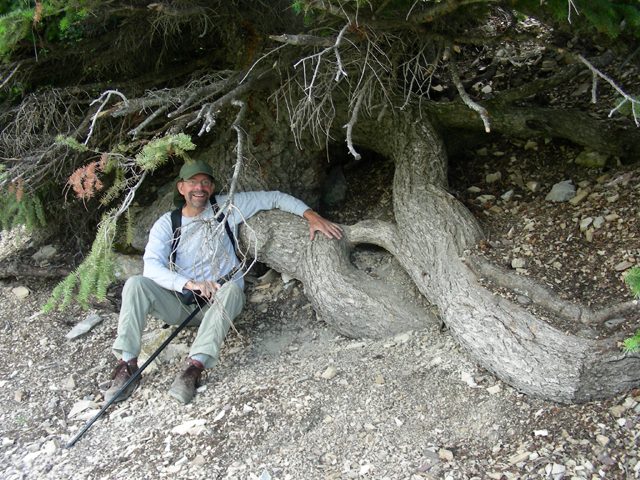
(429, 240)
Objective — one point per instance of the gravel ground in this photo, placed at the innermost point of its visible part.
(291, 400)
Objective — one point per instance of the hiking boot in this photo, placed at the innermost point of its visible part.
(121, 375)
(184, 386)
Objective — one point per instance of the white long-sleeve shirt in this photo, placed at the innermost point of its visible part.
(205, 251)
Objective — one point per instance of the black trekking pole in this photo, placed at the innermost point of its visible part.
(135, 375)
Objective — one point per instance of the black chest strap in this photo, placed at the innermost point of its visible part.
(176, 224)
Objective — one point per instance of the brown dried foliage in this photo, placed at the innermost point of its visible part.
(85, 181)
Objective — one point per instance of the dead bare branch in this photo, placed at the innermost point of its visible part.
(102, 101)
(563, 76)
(306, 40)
(635, 103)
(6, 80)
(210, 111)
(484, 115)
(351, 123)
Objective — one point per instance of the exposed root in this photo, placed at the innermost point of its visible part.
(545, 297)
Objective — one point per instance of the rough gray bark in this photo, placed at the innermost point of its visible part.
(519, 348)
(429, 240)
(355, 304)
(534, 121)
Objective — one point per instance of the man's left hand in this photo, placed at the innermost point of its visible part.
(319, 224)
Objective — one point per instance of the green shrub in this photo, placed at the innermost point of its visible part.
(632, 345)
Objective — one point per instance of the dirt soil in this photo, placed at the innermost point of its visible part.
(291, 399)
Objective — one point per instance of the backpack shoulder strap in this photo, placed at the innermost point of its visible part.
(176, 223)
(216, 209)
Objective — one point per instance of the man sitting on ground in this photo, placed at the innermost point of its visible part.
(204, 259)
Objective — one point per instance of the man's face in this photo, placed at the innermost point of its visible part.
(196, 190)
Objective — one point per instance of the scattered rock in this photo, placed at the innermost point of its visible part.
(495, 389)
(191, 427)
(517, 179)
(84, 326)
(44, 254)
(507, 196)
(330, 372)
(561, 192)
(21, 292)
(521, 457)
(581, 90)
(580, 197)
(622, 266)
(584, 223)
(468, 379)
(402, 338)
(484, 199)
(445, 455)
(518, 263)
(556, 471)
(591, 159)
(81, 406)
(51, 447)
(493, 177)
(70, 383)
(617, 411)
(534, 186)
(598, 222)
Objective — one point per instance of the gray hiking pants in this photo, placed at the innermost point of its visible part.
(142, 296)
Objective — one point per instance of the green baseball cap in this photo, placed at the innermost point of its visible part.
(187, 171)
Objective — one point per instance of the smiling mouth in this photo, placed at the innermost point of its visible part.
(198, 197)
